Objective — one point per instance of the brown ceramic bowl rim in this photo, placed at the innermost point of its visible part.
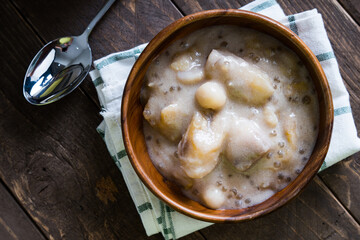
(149, 53)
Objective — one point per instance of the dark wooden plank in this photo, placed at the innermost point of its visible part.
(313, 215)
(51, 157)
(33, 122)
(189, 6)
(14, 223)
(61, 14)
(342, 179)
(71, 192)
(352, 7)
(126, 24)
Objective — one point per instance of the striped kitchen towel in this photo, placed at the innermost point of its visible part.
(111, 73)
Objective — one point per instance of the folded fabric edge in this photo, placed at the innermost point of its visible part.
(146, 217)
(114, 57)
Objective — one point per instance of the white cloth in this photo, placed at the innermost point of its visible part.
(111, 73)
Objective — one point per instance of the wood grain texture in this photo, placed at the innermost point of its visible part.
(306, 217)
(342, 179)
(352, 7)
(51, 157)
(126, 24)
(60, 194)
(60, 21)
(14, 223)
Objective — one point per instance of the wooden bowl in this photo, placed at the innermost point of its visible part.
(131, 114)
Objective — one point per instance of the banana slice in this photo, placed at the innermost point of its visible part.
(296, 89)
(200, 147)
(290, 130)
(192, 76)
(246, 144)
(244, 81)
(188, 66)
(270, 117)
(182, 62)
(173, 121)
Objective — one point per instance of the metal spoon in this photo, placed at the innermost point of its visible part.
(60, 66)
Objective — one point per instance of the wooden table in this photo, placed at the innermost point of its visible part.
(57, 180)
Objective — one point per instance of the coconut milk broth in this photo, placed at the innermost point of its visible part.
(293, 100)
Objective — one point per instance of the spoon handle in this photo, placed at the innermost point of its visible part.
(97, 18)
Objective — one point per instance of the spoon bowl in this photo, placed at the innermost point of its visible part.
(60, 66)
(57, 69)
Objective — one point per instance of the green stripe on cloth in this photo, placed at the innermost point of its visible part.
(325, 56)
(137, 51)
(342, 110)
(115, 58)
(323, 166)
(145, 206)
(159, 220)
(120, 56)
(121, 154)
(263, 6)
(98, 81)
(168, 211)
(116, 161)
(292, 24)
(101, 133)
(168, 231)
(162, 208)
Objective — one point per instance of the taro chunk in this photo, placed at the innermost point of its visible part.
(244, 81)
(187, 66)
(200, 147)
(246, 144)
(211, 95)
(192, 76)
(213, 197)
(182, 62)
(172, 121)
